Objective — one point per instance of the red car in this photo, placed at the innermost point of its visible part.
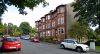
(11, 43)
(34, 40)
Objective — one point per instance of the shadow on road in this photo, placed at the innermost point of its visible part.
(7, 51)
(71, 50)
(68, 49)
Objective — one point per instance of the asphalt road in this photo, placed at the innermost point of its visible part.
(42, 48)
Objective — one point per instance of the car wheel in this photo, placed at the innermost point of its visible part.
(62, 46)
(79, 49)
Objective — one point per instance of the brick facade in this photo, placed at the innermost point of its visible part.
(56, 23)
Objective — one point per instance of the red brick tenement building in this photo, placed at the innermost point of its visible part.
(56, 23)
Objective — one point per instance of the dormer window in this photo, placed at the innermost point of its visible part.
(48, 16)
(43, 20)
(61, 9)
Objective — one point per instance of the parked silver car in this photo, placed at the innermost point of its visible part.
(74, 44)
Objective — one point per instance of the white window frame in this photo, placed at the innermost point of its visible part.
(62, 20)
(59, 20)
(49, 25)
(53, 24)
(43, 20)
(43, 26)
(49, 33)
(58, 30)
(62, 30)
(48, 17)
(61, 9)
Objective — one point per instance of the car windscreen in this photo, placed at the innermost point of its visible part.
(77, 42)
(11, 39)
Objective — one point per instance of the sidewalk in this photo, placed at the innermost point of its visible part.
(97, 51)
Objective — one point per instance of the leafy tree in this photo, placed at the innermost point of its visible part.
(15, 30)
(1, 29)
(97, 32)
(88, 11)
(78, 31)
(25, 28)
(16, 34)
(5, 28)
(91, 34)
(32, 32)
(20, 4)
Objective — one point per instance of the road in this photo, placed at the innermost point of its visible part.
(42, 48)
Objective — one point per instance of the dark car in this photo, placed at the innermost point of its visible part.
(25, 37)
(10, 43)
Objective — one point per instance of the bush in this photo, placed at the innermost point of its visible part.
(97, 42)
(41, 39)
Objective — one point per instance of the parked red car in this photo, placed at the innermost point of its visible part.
(11, 43)
(34, 40)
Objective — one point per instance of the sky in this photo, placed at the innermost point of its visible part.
(13, 16)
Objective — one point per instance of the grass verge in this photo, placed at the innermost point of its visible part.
(98, 48)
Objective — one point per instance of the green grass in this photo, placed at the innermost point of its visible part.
(98, 48)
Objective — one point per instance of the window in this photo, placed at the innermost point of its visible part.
(46, 25)
(58, 10)
(49, 25)
(61, 9)
(43, 33)
(58, 31)
(37, 29)
(53, 24)
(65, 40)
(69, 41)
(37, 24)
(43, 20)
(58, 20)
(48, 33)
(52, 32)
(43, 26)
(62, 20)
(62, 30)
(11, 39)
(48, 16)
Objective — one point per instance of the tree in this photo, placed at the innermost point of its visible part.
(25, 28)
(20, 4)
(91, 34)
(97, 32)
(16, 31)
(88, 11)
(1, 29)
(78, 31)
(33, 32)
(10, 28)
